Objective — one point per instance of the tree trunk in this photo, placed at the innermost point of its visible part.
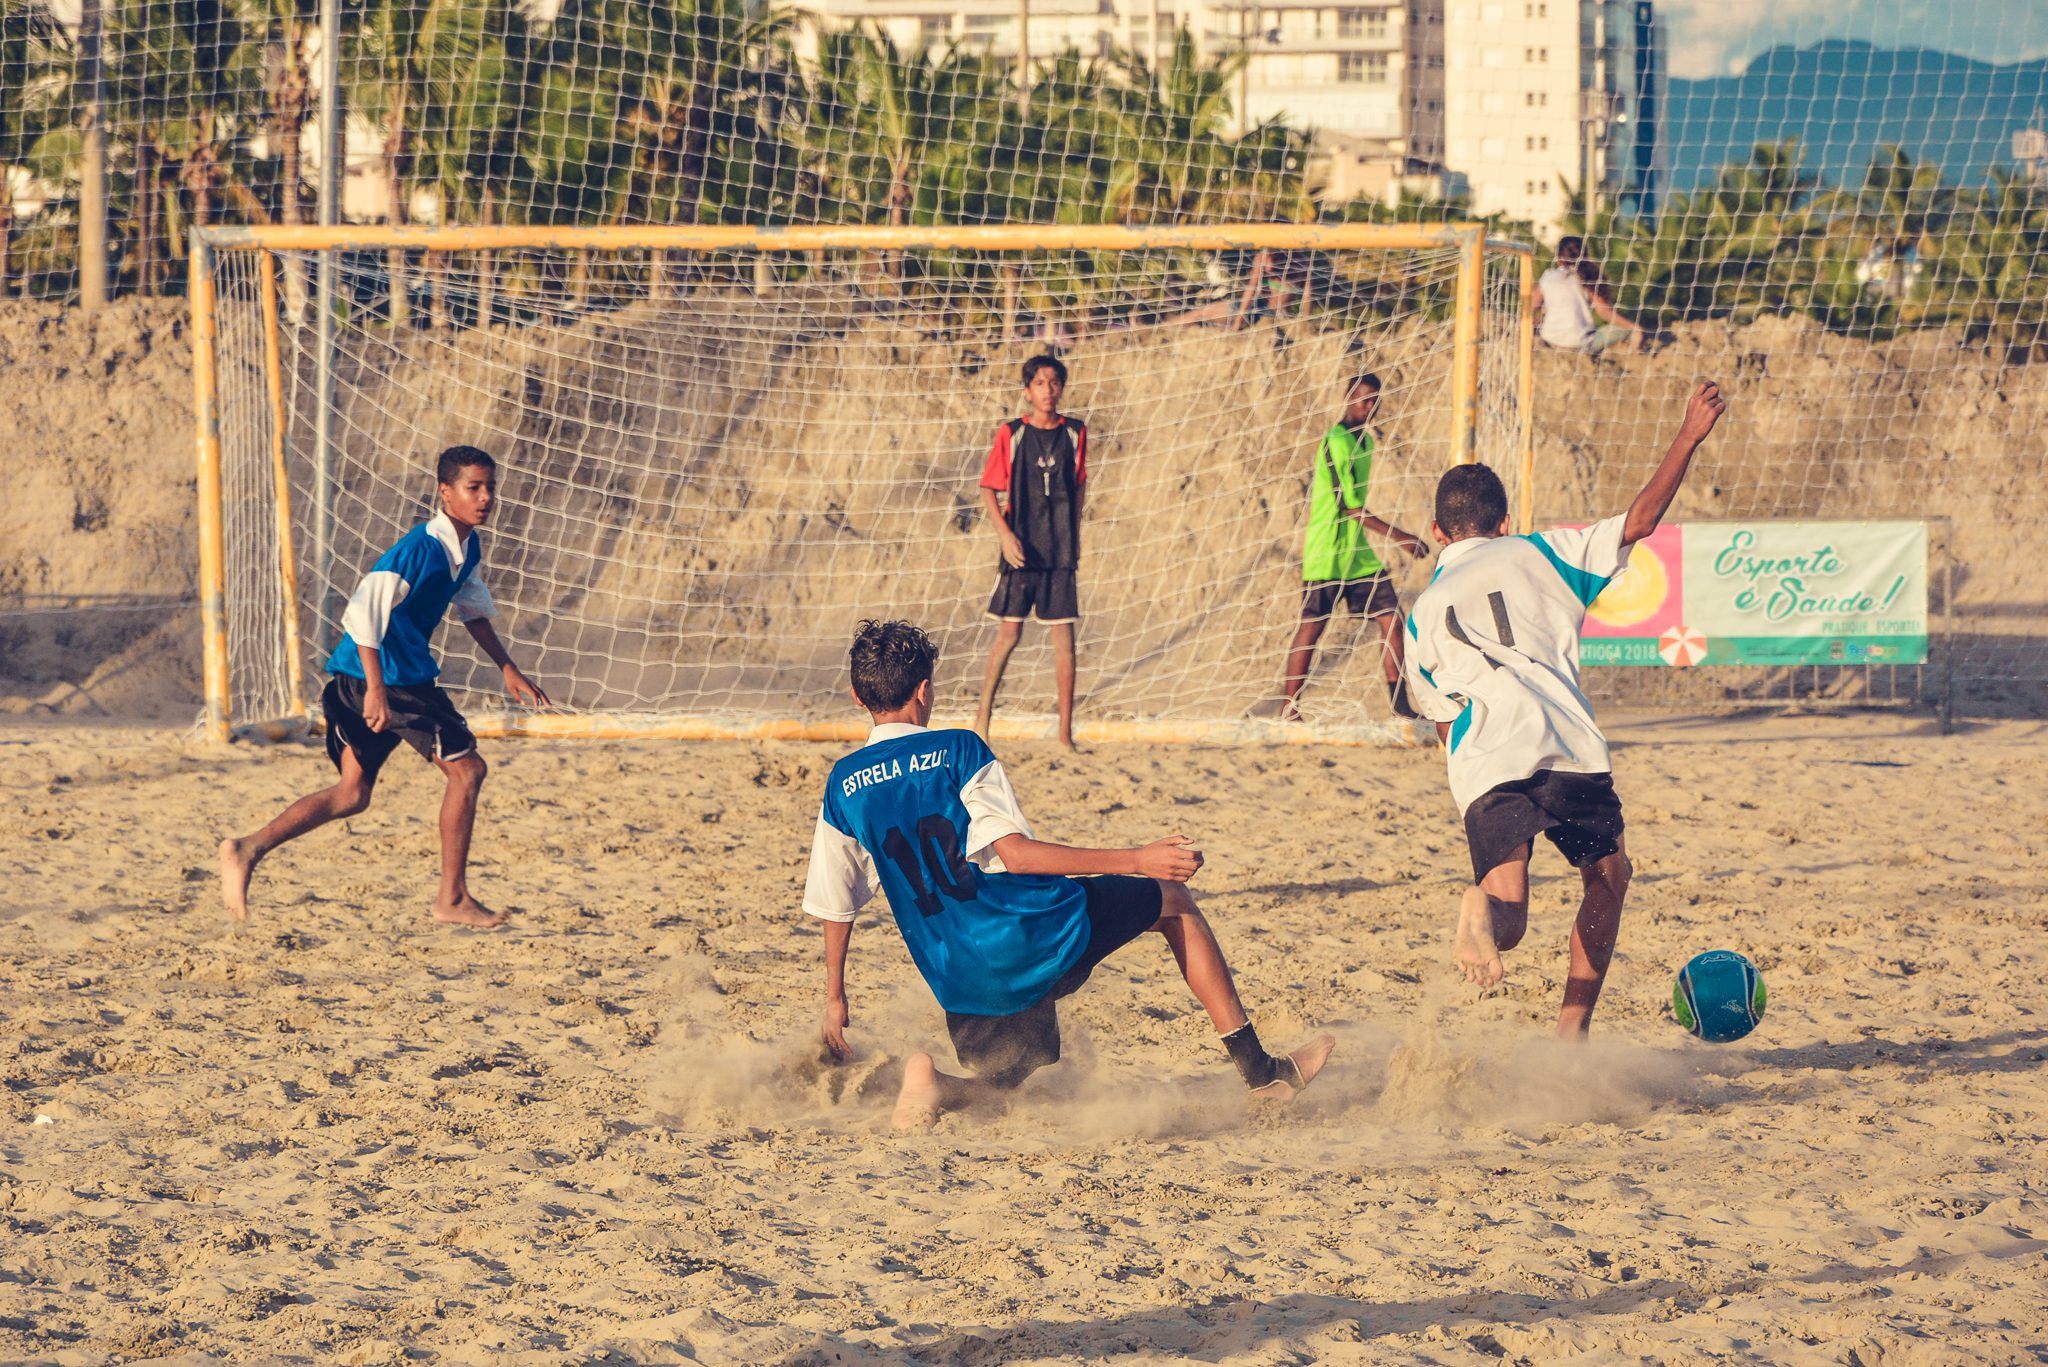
(145, 215)
(486, 268)
(394, 166)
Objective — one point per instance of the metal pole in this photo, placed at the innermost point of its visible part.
(1023, 60)
(1525, 392)
(1465, 349)
(287, 563)
(1948, 628)
(92, 225)
(212, 557)
(333, 140)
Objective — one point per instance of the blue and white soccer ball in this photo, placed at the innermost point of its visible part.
(1719, 996)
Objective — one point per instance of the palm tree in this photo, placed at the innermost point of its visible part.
(1171, 123)
(289, 29)
(35, 58)
(181, 78)
(386, 69)
(1985, 272)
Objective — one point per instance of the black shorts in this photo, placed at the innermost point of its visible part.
(1004, 1050)
(422, 716)
(1051, 593)
(1579, 812)
(1372, 596)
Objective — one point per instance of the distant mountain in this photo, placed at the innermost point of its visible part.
(1842, 99)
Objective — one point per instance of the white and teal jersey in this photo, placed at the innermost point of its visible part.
(1493, 649)
(916, 813)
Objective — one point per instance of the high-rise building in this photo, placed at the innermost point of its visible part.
(1515, 102)
(1368, 78)
(1546, 97)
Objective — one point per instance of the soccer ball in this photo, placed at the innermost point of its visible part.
(1719, 996)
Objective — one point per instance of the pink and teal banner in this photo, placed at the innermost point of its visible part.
(1766, 593)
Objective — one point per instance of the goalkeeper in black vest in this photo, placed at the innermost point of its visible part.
(1032, 487)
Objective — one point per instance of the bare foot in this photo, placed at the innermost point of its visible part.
(1478, 955)
(468, 912)
(1308, 1061)
(1067, 744)
(235, 868)
(918, 1104)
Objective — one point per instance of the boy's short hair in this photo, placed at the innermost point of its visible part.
(456, 459)
(1038, 363)
(1366, 378)
(1570, 249)
(890, 659)
(1470, 501)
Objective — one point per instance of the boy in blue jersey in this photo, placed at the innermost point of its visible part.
(1493, 655)
(383, 693)
(1000, 925)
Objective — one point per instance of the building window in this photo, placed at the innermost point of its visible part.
(1360, 23)
(1535, 55)
(1362, 68)
(1537, 99)
(1537, 11)
(935, 28)
(1537, 144)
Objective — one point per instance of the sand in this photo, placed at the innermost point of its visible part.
(346, 1135)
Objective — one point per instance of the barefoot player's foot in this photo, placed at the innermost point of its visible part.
(235, 867)
(1306, 1062)
(918, 1103)
(468, 912)
(1478, 955)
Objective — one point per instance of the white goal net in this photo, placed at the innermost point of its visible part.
(712, 464)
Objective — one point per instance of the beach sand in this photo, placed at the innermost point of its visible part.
(344, 1134)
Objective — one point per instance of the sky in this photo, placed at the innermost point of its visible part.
(1719, 37)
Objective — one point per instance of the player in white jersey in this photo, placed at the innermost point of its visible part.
(1493, 659)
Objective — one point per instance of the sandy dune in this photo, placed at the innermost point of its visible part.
(344, 1135)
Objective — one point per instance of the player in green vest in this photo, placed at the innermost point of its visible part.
(1337, 561)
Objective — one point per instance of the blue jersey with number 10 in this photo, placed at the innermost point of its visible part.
(989, 944)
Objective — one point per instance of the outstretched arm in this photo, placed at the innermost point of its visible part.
(1702, 411)
(516, 683)
(1174, 859)
(1379, 526)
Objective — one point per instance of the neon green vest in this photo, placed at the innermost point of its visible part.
(1335, 546)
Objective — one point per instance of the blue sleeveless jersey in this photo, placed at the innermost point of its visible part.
(989, 944)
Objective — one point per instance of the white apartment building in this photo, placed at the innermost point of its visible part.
(1541, 95)
(1367, 76)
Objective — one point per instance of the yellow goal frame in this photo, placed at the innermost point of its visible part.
(1470, 240)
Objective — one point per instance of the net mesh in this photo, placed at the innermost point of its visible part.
(714, 465)
(1841, 212)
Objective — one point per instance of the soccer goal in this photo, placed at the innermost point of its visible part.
(721, 447)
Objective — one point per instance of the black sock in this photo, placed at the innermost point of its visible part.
(1397, 694)
(1254, 1064)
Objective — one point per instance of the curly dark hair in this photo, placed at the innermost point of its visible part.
(1470, 501)
(890, 659)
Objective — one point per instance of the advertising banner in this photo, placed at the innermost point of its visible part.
(1766, 593)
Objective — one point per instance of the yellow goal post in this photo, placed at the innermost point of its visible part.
(615, 360)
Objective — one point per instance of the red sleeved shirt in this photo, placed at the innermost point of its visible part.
(996, 473)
